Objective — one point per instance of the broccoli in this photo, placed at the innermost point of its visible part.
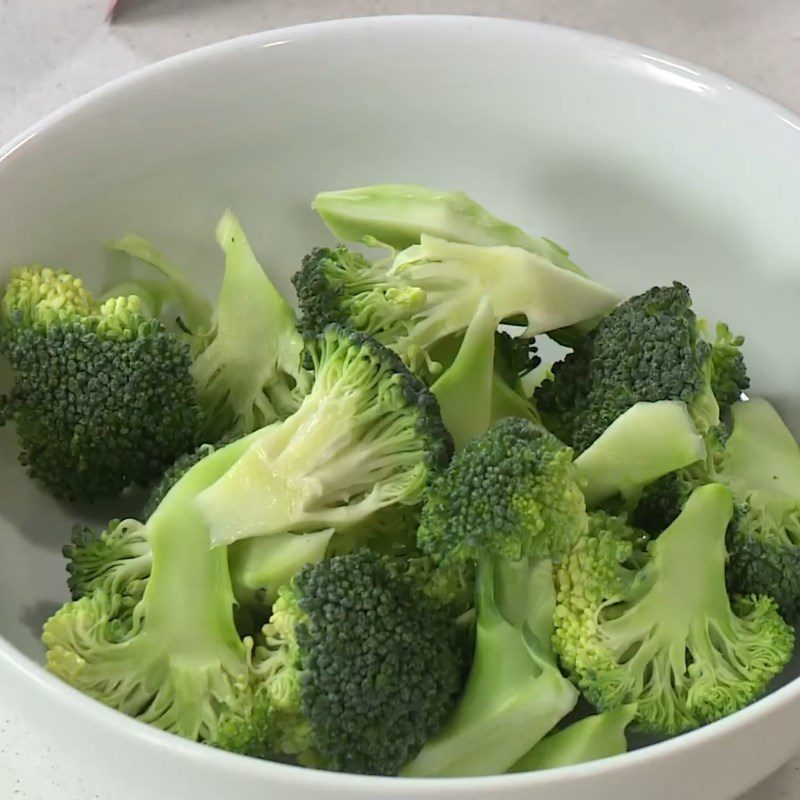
(477, 388)
(761, 465)
(729, 378)
(367, 436)
(103, 397)
(117, 561)
(398, 215)
(509, 503)
(246, 361)
(481, 382)
(432, 291)
(659, 503)
(645, 442)
(175, 660)
(653, 624)
(178, 469)
(589, 739)
(650, 348)
(358, 671)
(448, 583)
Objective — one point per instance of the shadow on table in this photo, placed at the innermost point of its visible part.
(143, 10)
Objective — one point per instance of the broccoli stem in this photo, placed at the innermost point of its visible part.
(589, 739)
(398, 215)
(647, 441)
(515, 693)
(465, 390)
(761, 453)
(189, 597)
(673, 615)
(246, 374)
(195, 308)
(454, 277)
(259, 567)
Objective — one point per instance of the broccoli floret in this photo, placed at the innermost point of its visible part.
(515, 356)
(509, 502)
(247, 358)
(761, 465)
(449, 583)
(432, 291)
(513, 492)
(102, 397)
(367, 436)
(654, 625)
(589, 739)
(117, 559)
(175, 660)
(359, 670)
(647, 441)
(650, 348)
(729, 378)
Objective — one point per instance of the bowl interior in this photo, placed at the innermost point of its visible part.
(646, 170)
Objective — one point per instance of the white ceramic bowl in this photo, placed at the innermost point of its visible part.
(647, 168)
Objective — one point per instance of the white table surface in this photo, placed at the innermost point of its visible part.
(54, 50)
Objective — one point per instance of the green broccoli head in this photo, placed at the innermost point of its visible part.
(511, 493)
(449, 584)
(367, 436)
(102, 396)
(653, 624)
(432, 291)
(358, 672)
(650, 348)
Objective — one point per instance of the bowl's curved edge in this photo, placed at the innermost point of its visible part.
(11, 659)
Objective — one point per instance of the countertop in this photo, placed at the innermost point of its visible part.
(52, 51)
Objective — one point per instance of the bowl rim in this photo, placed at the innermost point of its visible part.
(745, 99)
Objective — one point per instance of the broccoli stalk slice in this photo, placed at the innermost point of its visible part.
(315, 470)
(367, 436)
(472, 391)
(195, 309)
(589, 739)
(647, 441)
(515, 693)
(182, 662)
(399, 214)
(259, 567)
(454, 277)
(761, 454)
(248, 370)
(465, 390)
